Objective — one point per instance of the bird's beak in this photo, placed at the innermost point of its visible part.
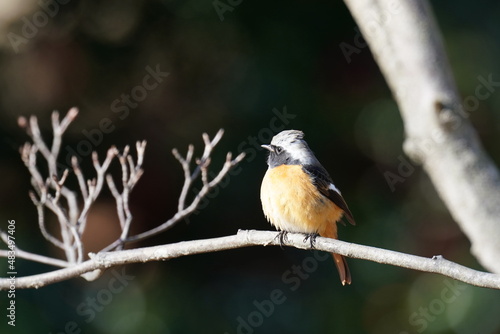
(270, 148)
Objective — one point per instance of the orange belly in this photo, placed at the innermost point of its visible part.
(297, 206)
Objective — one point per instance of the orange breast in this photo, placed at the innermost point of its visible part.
(292, 203)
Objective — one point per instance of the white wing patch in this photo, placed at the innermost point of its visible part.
(332, 187)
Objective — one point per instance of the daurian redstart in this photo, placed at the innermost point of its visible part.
(298, 194)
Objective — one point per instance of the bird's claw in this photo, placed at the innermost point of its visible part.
(312, 238)
(282, 238)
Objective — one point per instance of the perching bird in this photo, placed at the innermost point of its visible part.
(298, 194)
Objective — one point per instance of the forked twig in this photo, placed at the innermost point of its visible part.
(131, 173)
(50, 191)
(189, 178)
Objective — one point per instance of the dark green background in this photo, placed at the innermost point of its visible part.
(231, 74)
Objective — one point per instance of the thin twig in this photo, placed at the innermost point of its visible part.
(79, 175)
(131, 173)
(30, 256)
(36, 258)
(183, 211)
(94, 186)
(188, 179)
(41, 223)
(51, 190)
(29, 156)
(36, 136)
(209, 147)
(72, 223)
(58, 129)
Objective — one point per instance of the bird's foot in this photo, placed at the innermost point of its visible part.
(282, 238)
(312, 238)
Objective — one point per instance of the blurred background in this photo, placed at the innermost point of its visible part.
(167, 71)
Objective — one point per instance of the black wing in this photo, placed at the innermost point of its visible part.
(322, 181)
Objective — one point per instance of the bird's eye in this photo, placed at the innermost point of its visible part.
(278, 149)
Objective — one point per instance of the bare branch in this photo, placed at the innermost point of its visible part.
(30, 256)
(36, 136)
(59, 184)
(51, 190)
(36, 258)
(204, 170)
(209, 147)
(189, 178)
(66, 216)
(131, 173)
(28, 155)
(70, 117)
(80, 177)
(77, 243)
(72, 222)
(228, 165)
(437, 264)
(101, 169)
(406, 43)
(41, 222)
(112, 186)
(94, 186)
(140, 147)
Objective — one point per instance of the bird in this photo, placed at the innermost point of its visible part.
(298, 194)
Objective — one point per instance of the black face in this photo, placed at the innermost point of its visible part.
(278, 156)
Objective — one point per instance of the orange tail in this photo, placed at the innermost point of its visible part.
(340, 261)
(343, 268)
